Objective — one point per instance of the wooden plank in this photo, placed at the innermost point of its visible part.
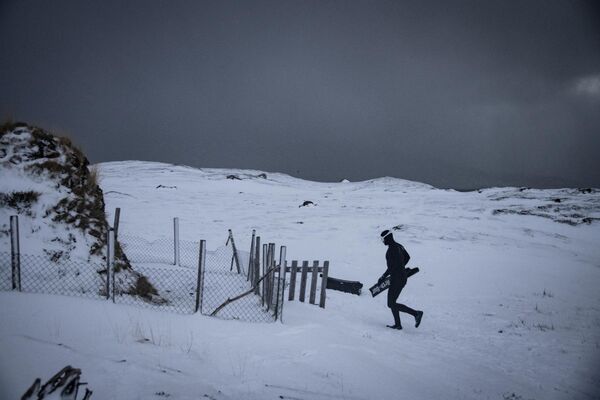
(256, 266)
(324, 284)
(235, 253)
(116, 223)
(289, 269)
(264, 270)
(303, 281)
(270, 279)
(251, 261)
(293, 272)
(282, 268)
(313, 282)
(280, 284)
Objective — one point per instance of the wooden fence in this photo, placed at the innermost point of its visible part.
(304, 271)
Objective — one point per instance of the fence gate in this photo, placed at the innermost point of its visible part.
(242, 286)
(304, 271)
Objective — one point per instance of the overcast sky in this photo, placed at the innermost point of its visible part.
(456, 94)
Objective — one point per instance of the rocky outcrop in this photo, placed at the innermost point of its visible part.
(48, 182)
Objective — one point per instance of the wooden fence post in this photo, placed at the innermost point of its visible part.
(251, 261)
(303, 281)
(324, 284)
(280, 281)
(235, 254)
(313, 282)
(273, 264)
(269, 279)
(293, 272)
(264, 270)
(116, 223)
(256, 265)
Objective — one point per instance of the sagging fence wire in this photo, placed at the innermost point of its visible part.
(227, 282)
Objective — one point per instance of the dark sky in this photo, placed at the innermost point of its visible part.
(456, 94)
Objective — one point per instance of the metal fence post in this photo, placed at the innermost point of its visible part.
(15, 253)
(111, 260)
(108, 272)
(176, 240)
(200, 282)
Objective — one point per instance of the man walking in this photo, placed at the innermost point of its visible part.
(397, 258)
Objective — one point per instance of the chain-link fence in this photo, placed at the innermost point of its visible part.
(38, 274)
(164, 274)
(224, 277)
(166, 288)
(140, 250)
(5, 272)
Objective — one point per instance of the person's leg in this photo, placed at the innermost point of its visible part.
(393, 293)
(406, 309)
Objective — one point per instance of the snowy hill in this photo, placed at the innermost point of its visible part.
(508, 283)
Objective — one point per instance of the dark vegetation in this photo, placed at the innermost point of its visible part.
(20, 201)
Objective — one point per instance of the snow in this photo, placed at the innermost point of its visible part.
(511, 301)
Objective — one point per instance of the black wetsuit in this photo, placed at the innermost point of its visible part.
(396, 258)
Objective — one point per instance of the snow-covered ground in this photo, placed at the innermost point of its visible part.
(511, 300)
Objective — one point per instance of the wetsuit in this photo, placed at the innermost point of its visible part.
(396, 258)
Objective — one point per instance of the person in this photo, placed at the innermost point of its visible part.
(396, 258)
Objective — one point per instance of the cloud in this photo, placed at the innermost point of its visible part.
(588, 86)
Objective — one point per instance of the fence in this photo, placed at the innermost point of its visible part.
(304, 271)
(225, 274)
(226, 282)
(40, 275)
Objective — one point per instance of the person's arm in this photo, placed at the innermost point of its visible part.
(389, 267)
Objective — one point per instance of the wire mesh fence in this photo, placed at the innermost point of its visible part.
(141, 250)
(166, 288)
(224, 276)
(38, 274)
(5, 271)
(224, 287)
